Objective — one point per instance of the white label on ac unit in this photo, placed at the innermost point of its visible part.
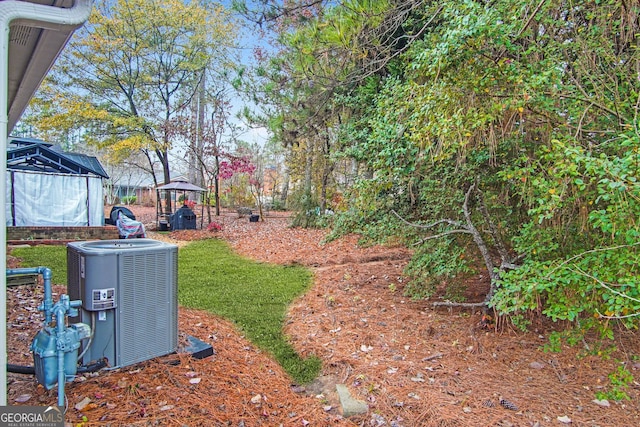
(103, 299)
(82, 267)
(102, 315)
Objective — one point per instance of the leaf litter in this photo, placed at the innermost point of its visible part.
(396, 373)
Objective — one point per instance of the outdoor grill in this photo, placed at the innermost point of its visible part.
(183, 219)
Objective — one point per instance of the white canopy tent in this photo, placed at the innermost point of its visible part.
(53, 200)
(49, 187)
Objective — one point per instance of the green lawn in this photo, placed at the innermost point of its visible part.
(255, 296)
(53, 257)
(211, 277)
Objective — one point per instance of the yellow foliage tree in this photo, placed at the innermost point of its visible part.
(132, 73)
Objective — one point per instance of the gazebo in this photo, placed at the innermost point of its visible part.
(49, 187)
(173, 188)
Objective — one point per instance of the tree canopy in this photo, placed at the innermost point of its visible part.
(499, 136)
(130, 77)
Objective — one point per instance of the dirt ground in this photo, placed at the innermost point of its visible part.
(412, 364)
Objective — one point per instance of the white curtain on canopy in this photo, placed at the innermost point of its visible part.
(54, 200)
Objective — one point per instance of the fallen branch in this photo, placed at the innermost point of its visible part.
(433, 356)
(468, 227)
(459, 304)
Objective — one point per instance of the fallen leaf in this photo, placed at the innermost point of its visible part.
(82, 404)
(298, 388)
(195, 380)
(536, 365)
(603, 402)
(22, 398)
(564, 419)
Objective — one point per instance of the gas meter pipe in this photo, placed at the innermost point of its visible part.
(47, 304)
(61, 309)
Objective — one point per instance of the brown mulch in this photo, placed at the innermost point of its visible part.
(413, 365)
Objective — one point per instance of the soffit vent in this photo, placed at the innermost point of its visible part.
(20, 34)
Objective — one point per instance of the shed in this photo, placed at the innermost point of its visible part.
(48, 187)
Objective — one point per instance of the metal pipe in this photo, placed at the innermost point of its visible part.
(47, 304)
(31, 370)
(36, 15)
(20, 369)
(86, 347)
(61, 310)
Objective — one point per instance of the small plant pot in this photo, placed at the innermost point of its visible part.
(254, 218)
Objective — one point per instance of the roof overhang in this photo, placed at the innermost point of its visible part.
(33, 48)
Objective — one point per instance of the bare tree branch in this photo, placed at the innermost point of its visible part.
(605, 285)
(493, 230)
(441, 221)
(581, 254)
(437, 236)
(469, 228)
(479, 241)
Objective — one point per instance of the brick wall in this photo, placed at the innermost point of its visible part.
(52, 235)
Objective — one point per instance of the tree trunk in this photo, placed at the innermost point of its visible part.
(199, 181)
(325, 184)
(307, 169)
(326, 172)
(285, 187)
(159, 209)
(164, 160)
(482, 247)
(216, 186)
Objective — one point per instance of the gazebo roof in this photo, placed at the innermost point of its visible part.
(36, 155)
(180, 186)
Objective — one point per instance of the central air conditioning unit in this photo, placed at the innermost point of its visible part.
(129, 295)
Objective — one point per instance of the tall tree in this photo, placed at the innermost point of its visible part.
(135, 68)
